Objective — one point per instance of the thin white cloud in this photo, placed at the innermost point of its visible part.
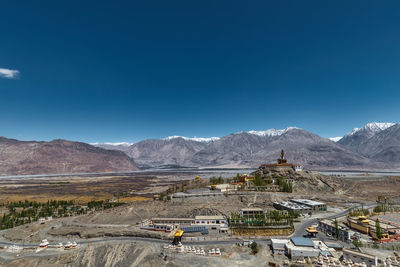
(8, 73)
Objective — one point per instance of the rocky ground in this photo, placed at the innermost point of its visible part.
(110, 254)
(142, 254)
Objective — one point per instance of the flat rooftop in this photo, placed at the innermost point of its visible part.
(216, 217)
(292, 205)
(172, 219)
(279, 241)
(302, 242)
(307, 202)
(251, 209)
(333, 245)
(391, 219)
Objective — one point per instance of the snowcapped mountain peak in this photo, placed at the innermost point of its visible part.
(272, 132)
(374, 127)
(379, 126)
(112, 144)
(197, 139)
(335, 139)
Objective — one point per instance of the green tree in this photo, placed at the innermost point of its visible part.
(378, 229)
(357, 243)
(258, 181)
(254, 247)
(337, 229)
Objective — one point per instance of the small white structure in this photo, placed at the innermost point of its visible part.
(224, 228)
(44, 243)
(42, 220)
(225, 187)
(298, 168)
(279, 245)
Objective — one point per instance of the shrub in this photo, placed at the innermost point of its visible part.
(254, 248)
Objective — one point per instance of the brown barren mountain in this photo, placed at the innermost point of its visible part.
(59, 156)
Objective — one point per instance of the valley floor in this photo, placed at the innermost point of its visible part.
(112, 237)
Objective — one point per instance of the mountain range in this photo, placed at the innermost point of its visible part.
(378, 141)
(59, 156)
(375, 146)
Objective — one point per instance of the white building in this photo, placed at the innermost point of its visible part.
(300, 247)
(279, 245)
(292, 206)
(298, 168)
(315, 205)
(225, 187)
(251, 212)
(214, 220)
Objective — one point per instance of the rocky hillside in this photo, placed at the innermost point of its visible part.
(59, 156)
(378, 141)
(302, 147)
(356, 138)
(357, 150)
(305, 181)
(384, 146)
(165, 152)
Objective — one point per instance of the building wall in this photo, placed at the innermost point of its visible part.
(282, 207)
(251, 213)
(358, 226)
(358, 258)
(344, 234)
(298, 253)
(172, 221)
(210, 222)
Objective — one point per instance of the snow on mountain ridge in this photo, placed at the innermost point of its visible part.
(375, 127)
(197, 139)
(335, 139)
(272, 132)
(112, 144)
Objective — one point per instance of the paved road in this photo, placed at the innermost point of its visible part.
(141, 239)
(300, 228)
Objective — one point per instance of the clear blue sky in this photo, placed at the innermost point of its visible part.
(111, 71)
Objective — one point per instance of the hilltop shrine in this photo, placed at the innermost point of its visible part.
(281, 163)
